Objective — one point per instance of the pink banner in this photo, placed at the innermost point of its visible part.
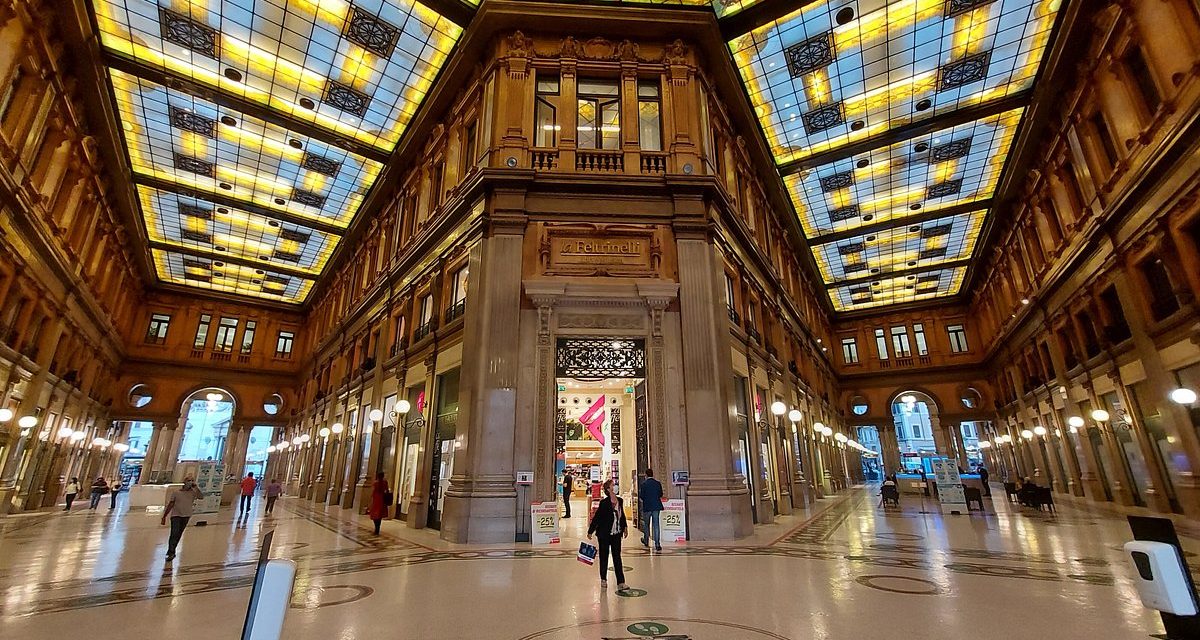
(593, 420)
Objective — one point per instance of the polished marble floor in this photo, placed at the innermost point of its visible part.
(844, 569)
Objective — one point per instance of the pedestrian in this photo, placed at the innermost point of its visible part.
(983, 477)
(99, 488)
(180, 507)
(72, 491)
(650, 499)
(609, 525)
(113, 491)
(273, 491)
(381, 497)
(568, 485)
(249, 484)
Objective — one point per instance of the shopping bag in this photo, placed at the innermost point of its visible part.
(587, 554)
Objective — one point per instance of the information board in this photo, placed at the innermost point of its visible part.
(209, 479)
(673, 521)
(949, 485)
(544, 516)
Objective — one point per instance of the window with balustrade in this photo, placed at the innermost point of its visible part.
(599, 114)
(881, 346)
(919, 338)
(649, 115)
(248, 337)
(545, 112)
(900, 345)
(156, 333)
(850, 350)
(226, 329)
(202, 332)
(283, 344)
(958, 338)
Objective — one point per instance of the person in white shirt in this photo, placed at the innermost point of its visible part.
(180, 507)
(72, 491)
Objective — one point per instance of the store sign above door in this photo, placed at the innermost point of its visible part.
(600, 358)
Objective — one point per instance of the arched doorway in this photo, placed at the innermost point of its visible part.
(207, 422)
(914, 415)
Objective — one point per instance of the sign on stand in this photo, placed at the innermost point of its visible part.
(949, 485)
(673, 521)
(209, 479)
(545, 522)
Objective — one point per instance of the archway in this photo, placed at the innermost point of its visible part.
(207, 422)
(917, 430)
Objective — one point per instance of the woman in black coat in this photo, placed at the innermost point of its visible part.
(609, 525)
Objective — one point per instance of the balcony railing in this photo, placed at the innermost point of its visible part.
(422, 331)
(733, 316)
(456, 310)
(753, 334)
(599, 161)
(197, 353)
(654, 162)
(544, 159)
(219, 356)
(155, 339)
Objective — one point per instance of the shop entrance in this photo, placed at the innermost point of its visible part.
(600, 427)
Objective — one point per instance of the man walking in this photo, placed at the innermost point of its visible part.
(650, 496)
(249, 484)
(180, 508)
(115, 489)
(568, 486)
(273, 491)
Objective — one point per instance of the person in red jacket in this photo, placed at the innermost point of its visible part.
(380, 499)
(249, 484)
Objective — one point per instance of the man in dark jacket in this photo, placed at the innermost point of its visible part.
(650, 495)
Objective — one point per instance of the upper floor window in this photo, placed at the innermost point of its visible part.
(202, 331)
(649, 116)
(468, 144)
(458, 295)
(1162, 298)
(545, 113)
(729, 291)
(15, 83)
(435, 185)
(881, 344)
(919, 338)
(425, 311)
(156, 333)
(599, 117)
(1104, 138)
(283, 344)
(900, 342)
(850, 350)
(958, 338)
(226, 329)
(1143, 78)
(248, 336)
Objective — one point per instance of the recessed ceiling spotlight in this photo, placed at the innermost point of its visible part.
(233, 74)
(874, 269)
(218, 273)
(911, 278)
(260, 272)
(924, 104)
(876, 284)
(280, 201)
(863, 164)
(857, 125)
(262, 257)
(916, 206)
(226, 120)
(256, 281)
(910, 286)
(218, 263)
(921, 147)
(222, 210)
(915, 228)
(273, 223)
(219, 248)
(844, 15)
(870, 238)
(295, 143)
(868, 217)
(912, 263)
(307, 103)
(226, 186)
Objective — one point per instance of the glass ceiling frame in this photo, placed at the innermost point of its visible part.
(254, 129)
(888, 119)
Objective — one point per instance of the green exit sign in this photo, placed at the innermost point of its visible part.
(628, 389)
(562, 387)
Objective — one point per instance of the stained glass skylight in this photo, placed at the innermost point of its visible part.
(358, 70)
(822, 77)
(215, 274)
(882, 114)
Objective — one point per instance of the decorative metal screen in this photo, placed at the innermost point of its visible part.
(600, 358)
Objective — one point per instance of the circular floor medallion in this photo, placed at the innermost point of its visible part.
(679, 628)
(320, 597)
(631, 593)
(890, 583)
(647, 629)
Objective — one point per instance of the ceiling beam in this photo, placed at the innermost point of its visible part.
(237, 203)
(961, 262)
(232, 259)
(909, 131)
(757, 15)
(918, 218)
(225, 99)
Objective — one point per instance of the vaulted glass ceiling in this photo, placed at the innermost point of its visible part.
(255, 128)
(891, 121)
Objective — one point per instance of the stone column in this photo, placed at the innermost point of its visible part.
(960, 446)
(10, 484)
(418, 505)
(480, 505)
(889, 446)
(1117, 475)
(1156, 490)
(718, 502)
